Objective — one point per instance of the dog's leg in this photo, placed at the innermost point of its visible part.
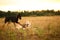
(8, 23)
(14, 24)
(19, 24)
(4, 24)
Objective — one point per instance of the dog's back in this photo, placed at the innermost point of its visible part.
(12, 19)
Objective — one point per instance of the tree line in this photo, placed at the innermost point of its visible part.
(30, 13)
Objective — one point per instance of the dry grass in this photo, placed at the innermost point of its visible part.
(42, 28)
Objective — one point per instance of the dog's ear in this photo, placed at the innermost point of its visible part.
(19, 16)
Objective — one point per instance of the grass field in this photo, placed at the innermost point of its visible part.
(42, 28)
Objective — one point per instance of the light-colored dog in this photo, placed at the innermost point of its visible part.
(25, 25)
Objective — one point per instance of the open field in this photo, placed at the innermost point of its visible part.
(42, 28)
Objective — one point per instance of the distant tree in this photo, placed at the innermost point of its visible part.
(58, 12)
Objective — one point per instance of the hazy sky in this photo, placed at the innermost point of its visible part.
(29, 4)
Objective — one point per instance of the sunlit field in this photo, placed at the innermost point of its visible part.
(41, 28)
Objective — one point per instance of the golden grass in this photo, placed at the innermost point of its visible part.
(42, 28)
(43, 21)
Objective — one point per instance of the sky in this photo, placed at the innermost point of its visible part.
(13, 5)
